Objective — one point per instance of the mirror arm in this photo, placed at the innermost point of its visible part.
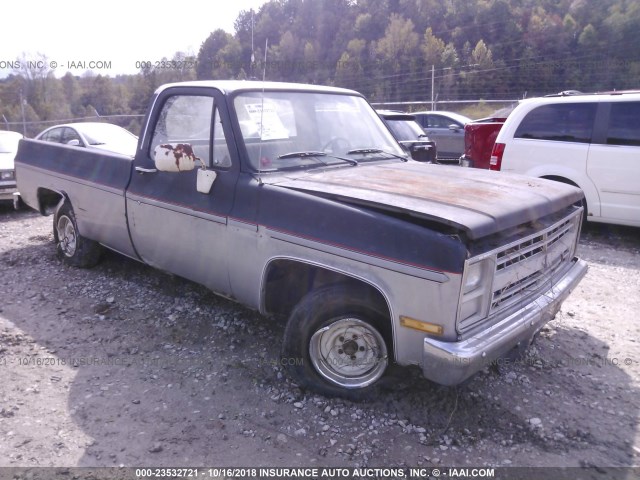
(146, 170)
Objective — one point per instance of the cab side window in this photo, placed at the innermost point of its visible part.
(185, 119)
(624, 124)
(438, 121)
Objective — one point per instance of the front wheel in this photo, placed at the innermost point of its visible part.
(334, 343)
(73, 248)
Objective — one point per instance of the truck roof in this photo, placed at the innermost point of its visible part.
(231, 86)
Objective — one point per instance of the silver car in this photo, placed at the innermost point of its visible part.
(103, 136)
(446, 129)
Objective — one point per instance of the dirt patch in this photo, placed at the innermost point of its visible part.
(125, 365)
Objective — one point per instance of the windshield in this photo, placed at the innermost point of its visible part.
(112, 137)
(105, 133)
(286, 130)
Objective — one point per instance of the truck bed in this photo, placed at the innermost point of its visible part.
(93, 180)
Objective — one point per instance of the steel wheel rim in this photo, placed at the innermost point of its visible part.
(67, 237)
(349, 352)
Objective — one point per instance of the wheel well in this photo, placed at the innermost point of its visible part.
(556, 178)
(287, 281)
(48, 200)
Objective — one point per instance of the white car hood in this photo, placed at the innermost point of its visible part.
(6, 160)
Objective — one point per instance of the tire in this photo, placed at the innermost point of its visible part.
(336, 343)
(71, 247)
(584, 213)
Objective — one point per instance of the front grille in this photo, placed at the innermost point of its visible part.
(522, 268)
(527, 266)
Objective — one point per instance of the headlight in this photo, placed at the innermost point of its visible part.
(475, 295)
(473, 277)
(7, 175)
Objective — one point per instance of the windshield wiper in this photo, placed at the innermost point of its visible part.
(310, 153)
(348, 160)
(375, 150)
(313, 153)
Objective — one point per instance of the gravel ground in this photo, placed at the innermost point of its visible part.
(125, 365)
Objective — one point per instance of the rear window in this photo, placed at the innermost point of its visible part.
(405, 130)
(624, 124)
(565, 122)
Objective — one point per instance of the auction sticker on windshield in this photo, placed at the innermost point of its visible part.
(265, 115)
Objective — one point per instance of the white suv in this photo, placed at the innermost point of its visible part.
(588, 140)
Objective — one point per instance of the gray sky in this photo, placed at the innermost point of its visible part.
(110, 36)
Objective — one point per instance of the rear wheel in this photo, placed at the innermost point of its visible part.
(334, 343)
(73, 248)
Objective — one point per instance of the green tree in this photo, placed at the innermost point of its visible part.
(432, 49)
(351, 68)
(216, 56)
(397, 53)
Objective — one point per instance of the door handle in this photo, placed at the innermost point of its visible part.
(146, 170)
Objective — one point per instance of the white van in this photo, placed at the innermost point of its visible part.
(588, 140)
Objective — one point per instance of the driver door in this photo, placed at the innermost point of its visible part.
(173, 226)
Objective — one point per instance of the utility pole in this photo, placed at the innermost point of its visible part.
(24, 123)
(253, 57)
(433, 71)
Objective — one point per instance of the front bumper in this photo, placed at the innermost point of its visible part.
(450, 363)
(7, 189)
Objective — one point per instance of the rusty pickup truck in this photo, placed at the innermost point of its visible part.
(296, 200)
(479, 138)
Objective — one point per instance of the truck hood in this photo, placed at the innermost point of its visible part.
(478, 202)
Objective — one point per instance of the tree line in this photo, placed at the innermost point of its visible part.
(390, 50)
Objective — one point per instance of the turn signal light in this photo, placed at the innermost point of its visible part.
(431, 328)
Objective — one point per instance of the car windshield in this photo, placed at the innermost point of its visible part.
(288, 130)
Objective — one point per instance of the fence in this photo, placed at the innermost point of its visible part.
(31, 128)
(456, 105)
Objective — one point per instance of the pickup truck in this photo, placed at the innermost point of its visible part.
(479, 138)
(296, 200)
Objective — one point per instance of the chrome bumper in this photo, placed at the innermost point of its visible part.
(7, 191)
(449, 363)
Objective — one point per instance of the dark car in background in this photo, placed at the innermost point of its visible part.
(410, 135)
(447, 130)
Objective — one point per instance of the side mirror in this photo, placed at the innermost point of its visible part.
(454, 128)
(175, 157)
(74, 142)
(179, 157)
(205, 180)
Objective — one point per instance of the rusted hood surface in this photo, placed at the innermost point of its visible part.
(476, 201)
